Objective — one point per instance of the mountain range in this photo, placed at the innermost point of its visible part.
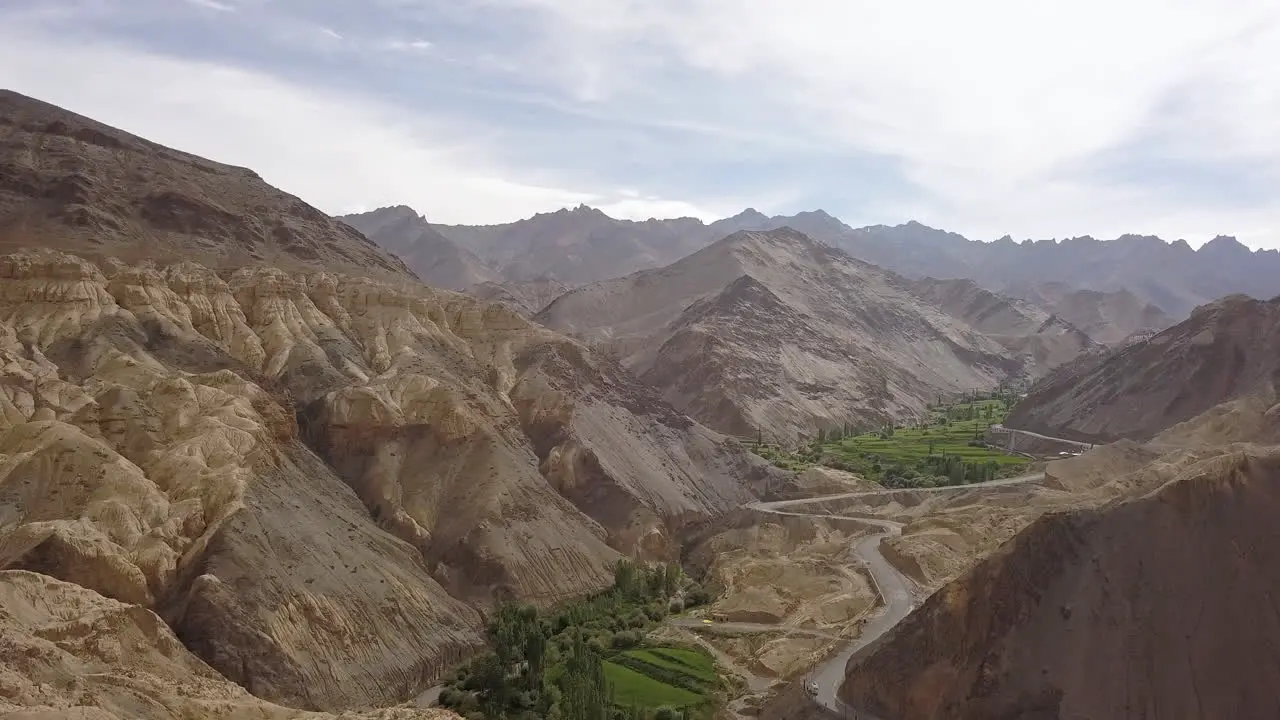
(584, 245)
(259, 462)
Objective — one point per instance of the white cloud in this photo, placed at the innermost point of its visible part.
(983, 103)
(985, 117)
(338, 152)
(213, 5)
(418, 45)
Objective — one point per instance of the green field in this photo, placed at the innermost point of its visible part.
(634, 688)
(690, 662)
(942, 449)
(655, 676)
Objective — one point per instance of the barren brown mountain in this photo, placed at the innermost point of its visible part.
(1041, 339)
(1156, 606)
(1225, 350)
(434, 258)
(776, 332)
(315, 479)
(69, 182)
(1106, 317)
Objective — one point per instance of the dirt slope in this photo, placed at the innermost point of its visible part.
(1225, 350)
(434, 258)
(73, 183)
(1041, 339)
(776, 331)
(1154, 607)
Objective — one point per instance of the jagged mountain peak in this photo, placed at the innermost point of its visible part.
(1225, 246)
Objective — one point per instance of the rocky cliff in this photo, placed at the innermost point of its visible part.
(777, 332)
(1153, 607)
(1227, 349)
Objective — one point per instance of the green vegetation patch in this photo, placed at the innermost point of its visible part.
(634, 688)
(689, 662)
(945, 448)
(587, 659)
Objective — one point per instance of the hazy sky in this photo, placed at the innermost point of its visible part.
(986, 117)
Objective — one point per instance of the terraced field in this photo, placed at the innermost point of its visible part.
(674, 677)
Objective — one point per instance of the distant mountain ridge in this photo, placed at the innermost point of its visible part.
(584, 245)
(436, 259)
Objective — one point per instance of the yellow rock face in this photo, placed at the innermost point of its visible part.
(313, 478)
(71, 653)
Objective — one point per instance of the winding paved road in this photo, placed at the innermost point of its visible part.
(894, 587)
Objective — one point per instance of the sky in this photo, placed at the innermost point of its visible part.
(1041, 119)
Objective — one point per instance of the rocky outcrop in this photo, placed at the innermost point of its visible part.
(1225, 350)
(71, 183)
(1155, 607)
(315, 478)
(776, 332)
(434, 258)
(72, 653)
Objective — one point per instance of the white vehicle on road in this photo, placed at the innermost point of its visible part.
(811, 686)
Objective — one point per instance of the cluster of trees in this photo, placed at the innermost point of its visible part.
(551, 664)
(959, 472)
(988, 411)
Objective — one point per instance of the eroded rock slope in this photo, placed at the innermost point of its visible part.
(72, 653)
(308, 474)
